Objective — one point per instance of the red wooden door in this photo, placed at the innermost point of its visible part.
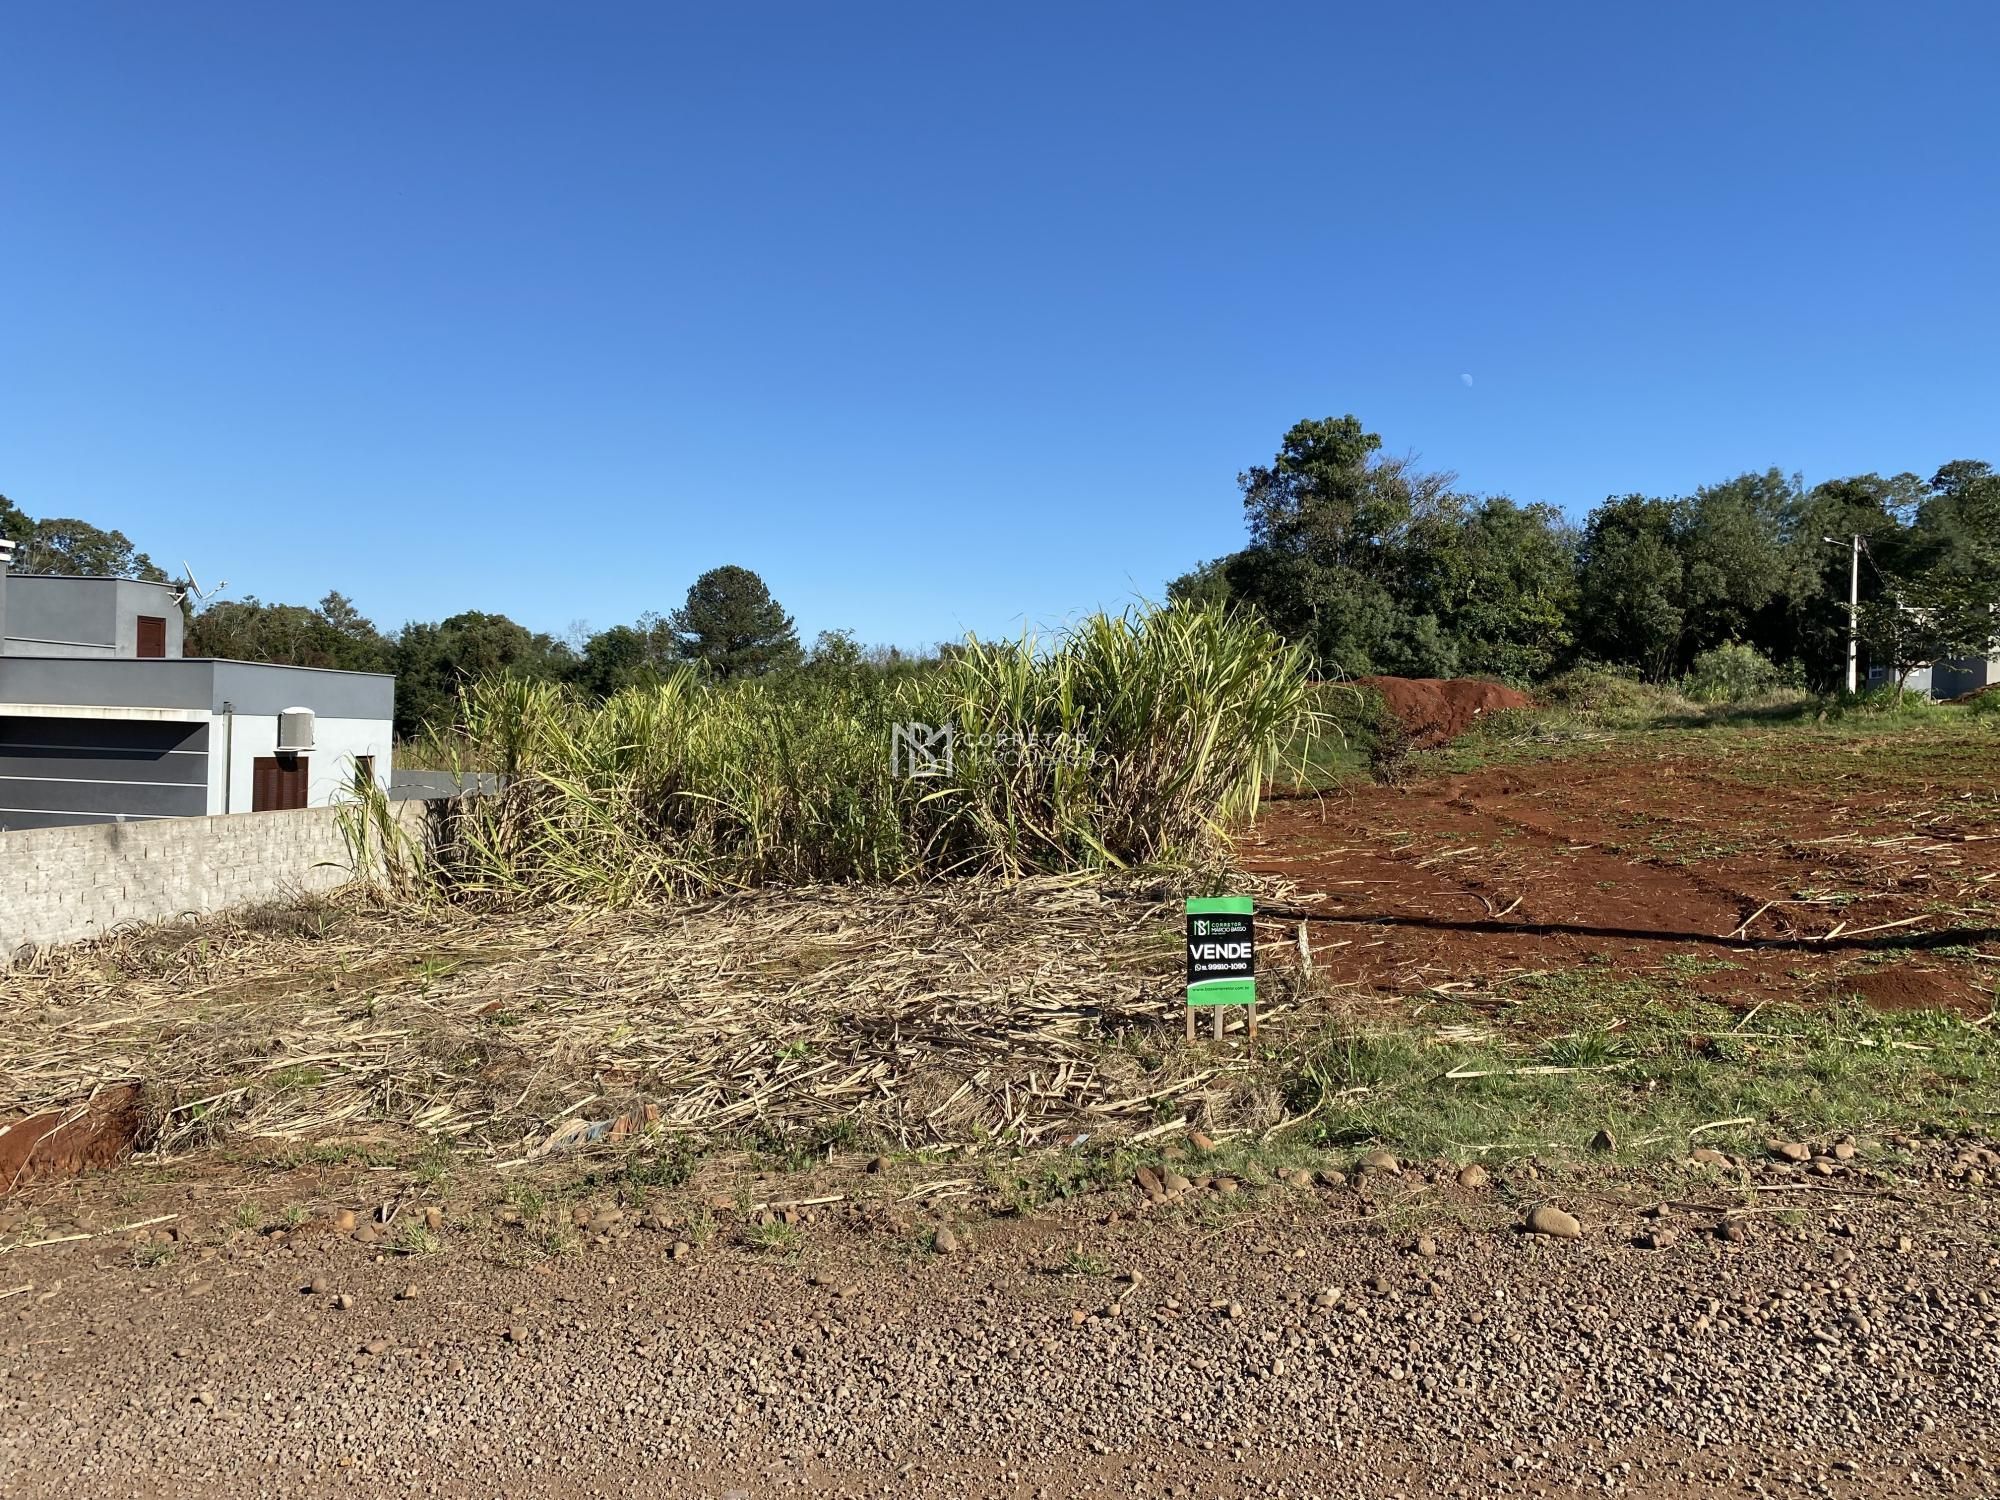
(277, 782)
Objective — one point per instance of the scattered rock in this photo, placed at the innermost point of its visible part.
(433, 1219)
(407, 1294)
(1332, 1177)
(376, 1347)
(1731, 1230)
(1473, 1176)
(1546, 1218)
(317, 1286)
(1792, 1151)
(1330, 1297)
(517, 1335)
(1843, 1150)
(944, 1242)
(1708, 1156)
(1199, 1139)
(1662, 1237)
(1148, 1182)
(682, 1250)
(343, 1302)
(1426, 1246)
(343, 1221)
(1380, 1160)
(1175, 1184)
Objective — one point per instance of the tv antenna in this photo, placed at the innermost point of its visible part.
(192, 589)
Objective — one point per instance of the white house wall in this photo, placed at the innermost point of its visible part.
(237, 740)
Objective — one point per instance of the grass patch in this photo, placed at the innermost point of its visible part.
(1649, 1073)
(415, 1238)
(772, 1237)
(559, 1241)
(1079, 1263)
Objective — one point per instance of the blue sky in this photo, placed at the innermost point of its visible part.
(946, 317)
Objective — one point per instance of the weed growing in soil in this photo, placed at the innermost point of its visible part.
(772, 1237)
(416, 1239)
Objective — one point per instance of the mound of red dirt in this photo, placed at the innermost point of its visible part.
(93, 1132)
(1435, 711)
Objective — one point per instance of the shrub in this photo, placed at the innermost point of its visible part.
(1732, 673)
(1610, 691)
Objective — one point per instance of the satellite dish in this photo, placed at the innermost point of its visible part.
(192, 589)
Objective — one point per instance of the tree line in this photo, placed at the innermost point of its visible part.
(1381, 566)
(729, 624)
(1372, 562)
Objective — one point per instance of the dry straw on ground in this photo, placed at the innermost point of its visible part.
(953, 1013)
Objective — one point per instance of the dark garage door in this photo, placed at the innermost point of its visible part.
(57, 771)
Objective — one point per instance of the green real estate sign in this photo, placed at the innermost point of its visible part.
(1221, 951)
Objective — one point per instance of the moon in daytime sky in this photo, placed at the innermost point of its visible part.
(1466, 378)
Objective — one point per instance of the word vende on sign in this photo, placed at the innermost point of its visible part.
(1221, 951)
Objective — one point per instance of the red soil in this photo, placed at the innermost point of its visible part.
(60, 1143)
(1435, 711)
(1739, 870)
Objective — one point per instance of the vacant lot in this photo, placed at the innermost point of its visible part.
(1745, 865)
(855, 1191)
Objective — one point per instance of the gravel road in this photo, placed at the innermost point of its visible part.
(1406, 1338)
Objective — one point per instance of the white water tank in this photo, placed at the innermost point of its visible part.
(295, 731)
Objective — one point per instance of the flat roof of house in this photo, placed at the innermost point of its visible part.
(194, 682)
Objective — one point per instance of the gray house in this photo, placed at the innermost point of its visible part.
(102, 720)
(1943, 680)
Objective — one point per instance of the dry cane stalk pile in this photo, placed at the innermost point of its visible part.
(961, 1013)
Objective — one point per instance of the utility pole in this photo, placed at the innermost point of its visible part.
(1853, 608)
(1853, 615)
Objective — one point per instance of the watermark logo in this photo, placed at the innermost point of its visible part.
(919, 751)
(926, 752)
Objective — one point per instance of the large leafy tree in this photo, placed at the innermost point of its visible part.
(1630, 586)
(1811, 628)
(1498, 582)
(434, 660)
(334, 634)
(1328, 517)
(1957, 525)
(1734, 566)
(627, 656)
(732, 625)
(63, 544)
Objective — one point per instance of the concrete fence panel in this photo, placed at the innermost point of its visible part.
(62, 885)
